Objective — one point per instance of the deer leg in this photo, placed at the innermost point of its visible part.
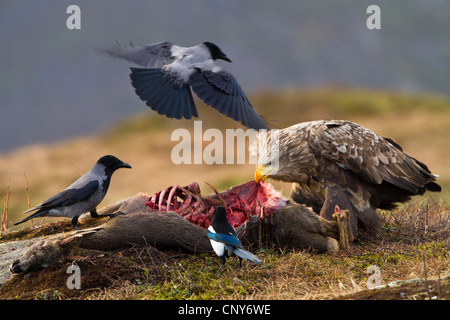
(94, 214)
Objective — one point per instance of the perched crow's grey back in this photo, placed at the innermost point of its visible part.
(81, 196)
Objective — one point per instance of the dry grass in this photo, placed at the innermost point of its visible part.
(419, 220)
(304, 275)
(403, 250)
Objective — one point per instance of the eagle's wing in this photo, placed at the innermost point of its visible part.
(153, 55)
(371, 157)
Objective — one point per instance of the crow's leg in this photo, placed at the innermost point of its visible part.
(94, 214)
(75, 222)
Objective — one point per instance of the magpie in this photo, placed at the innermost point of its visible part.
(81, 196)
(171, 71)
(224, 240)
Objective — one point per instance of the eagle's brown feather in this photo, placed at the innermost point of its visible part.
(336, 162)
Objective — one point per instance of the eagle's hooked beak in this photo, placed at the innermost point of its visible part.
(263, 172)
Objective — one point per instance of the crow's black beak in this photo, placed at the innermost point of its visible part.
(125, 165)
(224, 57)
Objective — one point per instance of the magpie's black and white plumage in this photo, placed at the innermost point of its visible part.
(81, 196)
(171, 71)
(224, 239)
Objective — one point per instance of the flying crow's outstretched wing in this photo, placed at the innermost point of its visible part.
(221, 91)
(162, 95)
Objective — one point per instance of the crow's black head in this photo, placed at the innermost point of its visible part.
(216, 53)
(112, 163)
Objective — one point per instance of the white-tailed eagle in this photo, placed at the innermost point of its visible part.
(336, 162)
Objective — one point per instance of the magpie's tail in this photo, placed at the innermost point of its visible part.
(162, 95)
(244, 254)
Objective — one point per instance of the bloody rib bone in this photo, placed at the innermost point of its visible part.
(240, 201)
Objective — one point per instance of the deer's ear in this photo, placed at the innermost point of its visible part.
(41, 245)
(72, 240)
(77, 237)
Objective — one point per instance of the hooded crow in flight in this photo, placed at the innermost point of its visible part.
(171, 71)
(81, 196)
(337, 162)
(224, 239)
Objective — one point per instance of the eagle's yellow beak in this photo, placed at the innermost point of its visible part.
(263, 172)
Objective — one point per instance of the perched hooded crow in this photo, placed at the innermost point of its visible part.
(173, 70)
(83, 195)
(224, 239)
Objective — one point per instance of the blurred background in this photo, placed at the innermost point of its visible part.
(63, 105)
